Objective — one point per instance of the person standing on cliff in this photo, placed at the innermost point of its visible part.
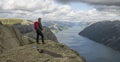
(38, 27)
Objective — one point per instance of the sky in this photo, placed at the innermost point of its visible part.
(80, 6)
(61, 10)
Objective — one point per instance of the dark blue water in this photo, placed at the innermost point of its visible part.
(89, 49)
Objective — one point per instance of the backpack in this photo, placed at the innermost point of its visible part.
(36, 25)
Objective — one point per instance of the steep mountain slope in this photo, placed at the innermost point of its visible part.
(106, 32)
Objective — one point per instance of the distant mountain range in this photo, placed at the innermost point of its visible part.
(57, 26)
(105, 32)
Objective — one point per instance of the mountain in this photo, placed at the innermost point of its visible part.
(57, 26)
(105, 32)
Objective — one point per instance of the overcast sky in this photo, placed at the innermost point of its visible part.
(61, 10)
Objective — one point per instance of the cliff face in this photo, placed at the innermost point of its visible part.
(24, 28)
(10, 37)
(106, 32)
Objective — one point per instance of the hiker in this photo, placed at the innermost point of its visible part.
(38, 27)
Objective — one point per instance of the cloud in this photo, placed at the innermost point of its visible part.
(101, 5)
(52, 11)
(30, 5)
(109, 7)
(112, 9)
(96, 2)
(32, 9)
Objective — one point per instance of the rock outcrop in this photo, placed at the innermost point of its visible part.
(26, 28)
(10, 37)
(106, 32)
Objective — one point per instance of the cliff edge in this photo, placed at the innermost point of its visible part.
(52, 52)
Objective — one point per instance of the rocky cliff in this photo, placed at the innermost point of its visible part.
(26, 28)
(106, 32)
(10, 34)
(10, 37)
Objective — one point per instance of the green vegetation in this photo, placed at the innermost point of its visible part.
(11, 21)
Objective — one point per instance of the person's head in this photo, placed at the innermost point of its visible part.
(39, 20)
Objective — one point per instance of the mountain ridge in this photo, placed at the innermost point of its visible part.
(105, 32)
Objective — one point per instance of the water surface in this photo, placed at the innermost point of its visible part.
(89, 49)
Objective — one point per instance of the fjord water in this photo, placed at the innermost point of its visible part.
(89, 49)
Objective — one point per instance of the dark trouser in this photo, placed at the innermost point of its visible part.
(41, 34)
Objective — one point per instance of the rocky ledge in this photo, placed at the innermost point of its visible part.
(51, 52)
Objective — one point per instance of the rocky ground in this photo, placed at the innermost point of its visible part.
(29, 53)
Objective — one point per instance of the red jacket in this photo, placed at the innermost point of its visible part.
(36, 25)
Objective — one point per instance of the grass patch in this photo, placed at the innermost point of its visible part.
(10, 21)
